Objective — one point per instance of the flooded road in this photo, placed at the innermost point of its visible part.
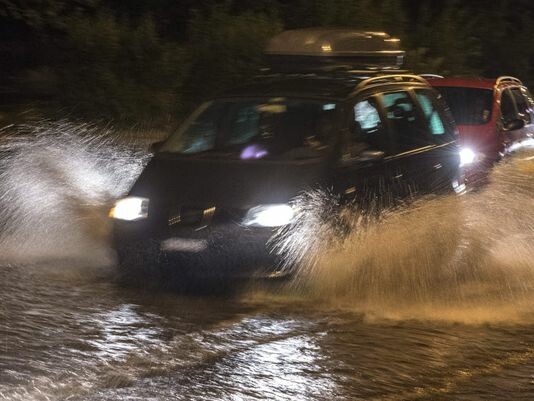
(434, 302)
(74, 335)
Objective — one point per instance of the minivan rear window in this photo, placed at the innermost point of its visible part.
(469, 106)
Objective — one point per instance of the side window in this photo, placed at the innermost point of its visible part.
(245, 124)
(507, 106)
(403, 122)
(367, 126)
(428, 104)
(201, 133)
(530, 102)
(528, 96)
(521, 103)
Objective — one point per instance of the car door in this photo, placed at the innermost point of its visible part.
(409, 168)
(443, 157)
(361, 171)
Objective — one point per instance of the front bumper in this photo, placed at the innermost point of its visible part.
(221, 250)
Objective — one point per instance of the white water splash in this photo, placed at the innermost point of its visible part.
(57, 180)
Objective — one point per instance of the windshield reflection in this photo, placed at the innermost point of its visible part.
(259, 128)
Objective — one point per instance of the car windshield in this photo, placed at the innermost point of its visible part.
(469, 106)
(258, 128)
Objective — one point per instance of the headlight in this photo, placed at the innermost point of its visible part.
(131, 208)
(467, 156)
(269, 216)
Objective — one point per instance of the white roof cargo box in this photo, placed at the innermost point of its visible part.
(323, 48)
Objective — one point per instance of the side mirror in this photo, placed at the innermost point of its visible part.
(514, 124)
(154, 147)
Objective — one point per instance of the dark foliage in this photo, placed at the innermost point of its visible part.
(137, 61)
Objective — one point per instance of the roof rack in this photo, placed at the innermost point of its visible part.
(341, 72)
(507, 79)
(390, 78)
(431, 76)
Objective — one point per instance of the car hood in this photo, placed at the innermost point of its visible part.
(226, 183)
(482, 138)
(476, 133)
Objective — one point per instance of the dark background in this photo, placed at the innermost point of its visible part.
(139, 62)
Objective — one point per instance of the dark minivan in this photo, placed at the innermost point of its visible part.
(218, 188)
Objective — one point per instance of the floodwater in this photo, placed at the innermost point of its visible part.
(432, 302)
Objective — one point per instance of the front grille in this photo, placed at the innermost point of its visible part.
(188, 216)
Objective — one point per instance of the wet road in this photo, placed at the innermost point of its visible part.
(73, 335)
(433, 303)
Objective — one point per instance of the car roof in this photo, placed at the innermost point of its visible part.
(475, 82)
(462, 82)
(331, 86)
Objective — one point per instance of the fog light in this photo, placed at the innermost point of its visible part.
(130, 209)
(269, 216)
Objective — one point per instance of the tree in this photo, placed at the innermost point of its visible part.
(119, 70)
(444, 41)
(47, 13)
(226, 49)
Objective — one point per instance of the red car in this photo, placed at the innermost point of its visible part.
(494, 116)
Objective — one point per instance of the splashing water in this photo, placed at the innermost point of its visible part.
(468, 258)
(464, 258)
(57, 180)
(434, 256)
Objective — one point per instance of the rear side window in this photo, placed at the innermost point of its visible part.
(507, 106)
(402, 119)
(530, 102)
(469, 106)
(366, 114)
(521, 103)
(367, 125)
(428, 105)
(529, 98)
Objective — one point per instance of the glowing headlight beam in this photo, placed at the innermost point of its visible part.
(467, 156)
(130, 209)
(269, 216)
